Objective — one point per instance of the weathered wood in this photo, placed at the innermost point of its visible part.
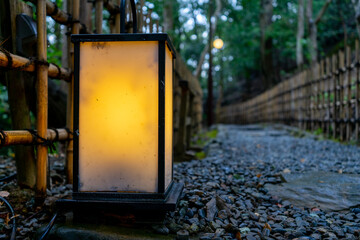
(59, 15)
(325, 96)
(98, 16)
(21, 137)
(357, 94)
(42, 100)
(70, 101)
(29, 65)
(16, 83)
(180, 147)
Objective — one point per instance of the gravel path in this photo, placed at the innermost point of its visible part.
(225, 196)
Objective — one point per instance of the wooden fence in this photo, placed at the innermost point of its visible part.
(187, 90)
(325, 96)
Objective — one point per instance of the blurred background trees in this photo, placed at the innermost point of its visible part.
(265, 41)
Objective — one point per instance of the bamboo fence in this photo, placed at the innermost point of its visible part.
(325, 96)
(187, 90)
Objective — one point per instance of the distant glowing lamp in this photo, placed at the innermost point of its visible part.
(218, 43)
(123, 121)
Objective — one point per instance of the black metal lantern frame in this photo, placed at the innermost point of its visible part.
(164, 199)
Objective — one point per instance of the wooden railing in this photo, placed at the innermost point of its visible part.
(325, 96)
(187, 90)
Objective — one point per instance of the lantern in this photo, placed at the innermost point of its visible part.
(123, 120)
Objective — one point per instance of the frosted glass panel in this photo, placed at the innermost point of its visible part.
(118, 117)
(168, 117)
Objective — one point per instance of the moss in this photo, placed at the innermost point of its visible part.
(200, 155)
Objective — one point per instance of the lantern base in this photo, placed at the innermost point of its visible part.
(167, 204)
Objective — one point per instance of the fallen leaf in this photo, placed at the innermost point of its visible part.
(238, 236)
(286, 170)
(7, 219)
(258, 175)
(267, 226)
(4, 193)
(302, 160)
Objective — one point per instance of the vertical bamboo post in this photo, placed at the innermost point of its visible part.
(98, 16)
(349, 95)
(323, 93)
(150, 21)
(139, 16)
(357, 94)
(341, 89)
(42, 100)
(70, 101)
(328, 91)
(335, 93)
(117, 18)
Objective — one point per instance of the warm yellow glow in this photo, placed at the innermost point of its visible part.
(118, 116)
(218, 43)
(168, 117)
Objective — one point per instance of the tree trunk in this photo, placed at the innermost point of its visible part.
(210, 74)
(312, 32)
(267, 69)
(300, 34)
(206, 48)
(313, 27)
(356, 5)
(16, 85)
(168, 16)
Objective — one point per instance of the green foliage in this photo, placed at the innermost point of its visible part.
(319, 131)
(200, 155)
(4, 109)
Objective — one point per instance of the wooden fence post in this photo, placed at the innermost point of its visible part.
(357, 95)
(349, 95)
(42, 100)
(98, 16)
(335, 72)
(70, 108)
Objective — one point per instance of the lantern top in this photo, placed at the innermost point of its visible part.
(124, 37)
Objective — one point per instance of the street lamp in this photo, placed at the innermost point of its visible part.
(123, 121)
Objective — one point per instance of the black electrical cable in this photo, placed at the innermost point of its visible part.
(9, 207)
(48, 227)
(8, 178)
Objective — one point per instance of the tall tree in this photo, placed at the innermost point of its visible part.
(356, 5)
(216, 16)
(266, 45)
(300, 34)
(168, 16)
(313, 27)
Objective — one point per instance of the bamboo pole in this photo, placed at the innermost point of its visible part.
(117, 19)
(349, 95)
(70, 101)
(27, 65)
(141, 17)
(335, 92)
(57, 14)
(98, 16)
(20, 137)
(341, 65)
(357, 94)
(42, 100)
(112, 8)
